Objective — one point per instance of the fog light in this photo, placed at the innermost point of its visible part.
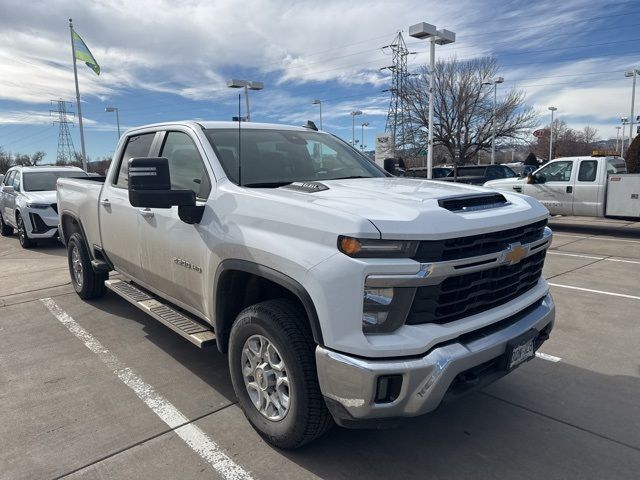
(388, 388)
(378, 296)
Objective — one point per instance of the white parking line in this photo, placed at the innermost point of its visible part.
(546, 356)
(190, 433)
(613, 294)
(591, 257)
(595, 237)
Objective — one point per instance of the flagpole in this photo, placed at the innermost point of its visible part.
(75, 74)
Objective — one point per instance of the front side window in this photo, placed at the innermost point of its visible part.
(137, 146)
(588, 170)
(8, 181)
(557, 171)
(271, 158)
(46, 181)
(186, 167)
(508, 173)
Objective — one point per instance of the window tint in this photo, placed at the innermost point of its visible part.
(9, 178)
(186, 167)
(137, 146)
(16, 182)
(588, 170)
(494, 172)
(557, 171)
(46, 181)
(616, 165)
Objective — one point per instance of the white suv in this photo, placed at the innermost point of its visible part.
(28, 202)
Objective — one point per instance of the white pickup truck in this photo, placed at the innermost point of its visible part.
(584, 186)
(339, 292)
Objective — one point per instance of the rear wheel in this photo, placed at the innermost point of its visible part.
(5, 230)
(23, 236)
(273, 370)
(87, 283)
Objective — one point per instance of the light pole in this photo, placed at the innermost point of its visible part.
(618, 139)
(362, 125)
(553, 109)
(353, 126)
(632, 73)
(115, 109)
(247, 85)
(495, 83)
(441, 37)
(319, 103)
(625, 122)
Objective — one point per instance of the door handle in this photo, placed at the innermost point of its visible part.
(569, 189)
(105, 202)
(146, 213)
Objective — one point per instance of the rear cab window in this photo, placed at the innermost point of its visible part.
(616, 165)
(137, 146)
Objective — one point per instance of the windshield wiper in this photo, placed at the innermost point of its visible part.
(347, 178)
(266, 184)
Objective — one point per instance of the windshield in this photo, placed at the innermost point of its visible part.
(271, 158)
(46, 181)
(470, 172)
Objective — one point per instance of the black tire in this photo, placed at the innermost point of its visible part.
(5, 230)
(285, 325)
(23, 236)
(87, 283)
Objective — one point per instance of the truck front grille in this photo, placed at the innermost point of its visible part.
(472, 293)
(476, 245)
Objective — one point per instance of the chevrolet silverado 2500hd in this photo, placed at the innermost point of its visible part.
(585, 186)
(339, 292)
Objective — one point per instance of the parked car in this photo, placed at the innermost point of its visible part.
(421, 172)
(585, 186)
(338, 293)
(28, 202)
(479, 174)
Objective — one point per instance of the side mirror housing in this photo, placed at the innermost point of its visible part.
(390, 165)
(8, 189)
(530, 179)
(150, 185)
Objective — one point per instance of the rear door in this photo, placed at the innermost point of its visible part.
(119, 221)
(587, 188)
(9, 199)
(174, 253)
(556, 191)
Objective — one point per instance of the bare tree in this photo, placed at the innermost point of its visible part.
(463, 108)
(567, 141)
(6, 162)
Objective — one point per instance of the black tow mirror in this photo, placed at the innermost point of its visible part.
(390, 165)
(150, 185)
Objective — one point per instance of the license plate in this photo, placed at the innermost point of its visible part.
(520, 352)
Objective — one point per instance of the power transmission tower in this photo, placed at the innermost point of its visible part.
(399, 116)
(66, 152)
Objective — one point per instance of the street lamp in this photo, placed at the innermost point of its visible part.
(247, 85)
(353, 126)
(495, 83)
(362, 125)
(618, 138)
(625, 122)
(441, 37)
(319, 103)
(632, 73)
(553, 109)
(115, 109)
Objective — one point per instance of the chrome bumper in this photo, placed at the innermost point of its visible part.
(349, 383)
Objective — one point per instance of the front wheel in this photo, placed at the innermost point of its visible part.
(23, 236)
(273, 370)
(5, 230)
(86, 282)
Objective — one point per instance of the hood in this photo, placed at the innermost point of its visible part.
(404, 208)
(40, 197)
(505, 182)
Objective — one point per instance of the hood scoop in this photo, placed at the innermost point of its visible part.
(470, 203)
(306, 187)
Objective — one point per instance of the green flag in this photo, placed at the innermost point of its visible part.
(83, 53)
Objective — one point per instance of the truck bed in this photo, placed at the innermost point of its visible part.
(79, 197)
(623, 195)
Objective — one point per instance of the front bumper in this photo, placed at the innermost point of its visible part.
(471, 361)
(41, 223)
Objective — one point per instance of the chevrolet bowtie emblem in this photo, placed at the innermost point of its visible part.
(514, 253)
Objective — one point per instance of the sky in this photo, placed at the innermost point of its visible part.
(166, 60)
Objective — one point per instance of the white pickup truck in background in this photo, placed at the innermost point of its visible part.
(338, 292)
(582, 186)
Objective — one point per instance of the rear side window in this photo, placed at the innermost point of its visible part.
(186, 167)
(588, 170)
(9, 178)
(16, 182)
(137, 146)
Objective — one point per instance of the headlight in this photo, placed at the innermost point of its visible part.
(371, 248)
(38, 206)
(385, 309)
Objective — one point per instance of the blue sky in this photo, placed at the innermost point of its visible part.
(164, 60)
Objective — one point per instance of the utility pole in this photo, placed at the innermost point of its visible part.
(66, 153)
(553, 109)
(75, 76)
(618, 139)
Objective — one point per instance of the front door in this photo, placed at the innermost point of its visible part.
(174, 252)
(554, 187)
(119, 221)
(587, 188)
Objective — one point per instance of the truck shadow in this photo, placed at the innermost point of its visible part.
(596, 229)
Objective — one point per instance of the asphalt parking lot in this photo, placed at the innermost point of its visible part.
(99, 390)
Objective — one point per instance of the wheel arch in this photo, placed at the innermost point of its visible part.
(235, 278)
